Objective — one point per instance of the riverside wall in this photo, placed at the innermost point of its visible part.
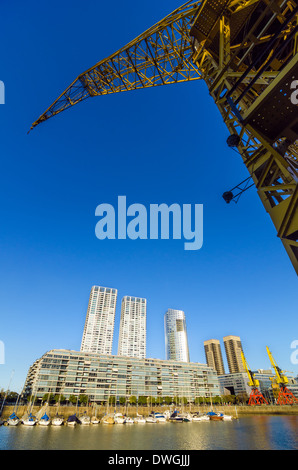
(232, 410)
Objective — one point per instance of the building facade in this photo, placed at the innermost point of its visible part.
(66, 373)
(176, 341)
(214, 356)
(99, 325)
(233, 349)
(132, 333)
(237, 384)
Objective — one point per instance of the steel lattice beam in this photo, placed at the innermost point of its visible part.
(159, 56)
(247, 53)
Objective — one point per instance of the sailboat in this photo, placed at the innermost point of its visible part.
(58, 420)
(13, 420)
(160, 417)
(119, 418)
(140, 419)
(175, 418)
(95, 419)
(73, 419)
(29, 420)
(108, 419)
(44, 420)
(5, 396)
(85, 419)
(42, 417)
(129, 420)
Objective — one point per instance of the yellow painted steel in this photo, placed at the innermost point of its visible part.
(252, 382)
(246, 52)
(280, 377)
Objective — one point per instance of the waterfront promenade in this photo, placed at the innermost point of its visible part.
(132, 411)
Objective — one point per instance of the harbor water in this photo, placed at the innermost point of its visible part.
(254, 432)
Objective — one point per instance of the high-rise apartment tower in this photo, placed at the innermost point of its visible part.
(233, 349)
(214, 356)
(132, 333)
(176, 341)
(100, 319)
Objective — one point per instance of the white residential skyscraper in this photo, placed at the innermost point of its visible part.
(176, 336)
(99, 324)
(132, 334)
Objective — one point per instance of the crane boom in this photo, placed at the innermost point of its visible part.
(280, 376)
(246, 51)
(252, 381)
(285, 396)
(256, 397)
(159, 56)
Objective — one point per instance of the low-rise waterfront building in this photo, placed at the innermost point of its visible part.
(237, 383)
(103, 376)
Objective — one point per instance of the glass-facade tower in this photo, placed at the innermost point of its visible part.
(176, 341)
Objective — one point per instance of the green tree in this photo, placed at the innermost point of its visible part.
(73, 399)
(122, 401)
(59, 397)
(133, 400)
(142, 400)
(168, 400)
(112, 400)
(216, 400)
(48, 397)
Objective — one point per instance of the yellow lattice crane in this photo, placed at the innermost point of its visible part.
(247, 53)
(285, 396)
(256, 397)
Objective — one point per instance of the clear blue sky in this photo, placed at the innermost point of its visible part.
(163, 145)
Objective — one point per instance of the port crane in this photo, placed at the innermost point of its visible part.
(256, 397)
(285, 396)
(246, 51)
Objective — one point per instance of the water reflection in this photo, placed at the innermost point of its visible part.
(247, 433)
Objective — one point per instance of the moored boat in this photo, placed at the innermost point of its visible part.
(95, 420)
(57, 421)
(29, 420)
(85, 419)
(140, 419)
(108, 419)
(44, 420)
(13, 420)
(203, 417)
(151, 419)
(160, 418)
(215, 416)
(129, 420)
(119, 418)
(72, 420)
(175, 418)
